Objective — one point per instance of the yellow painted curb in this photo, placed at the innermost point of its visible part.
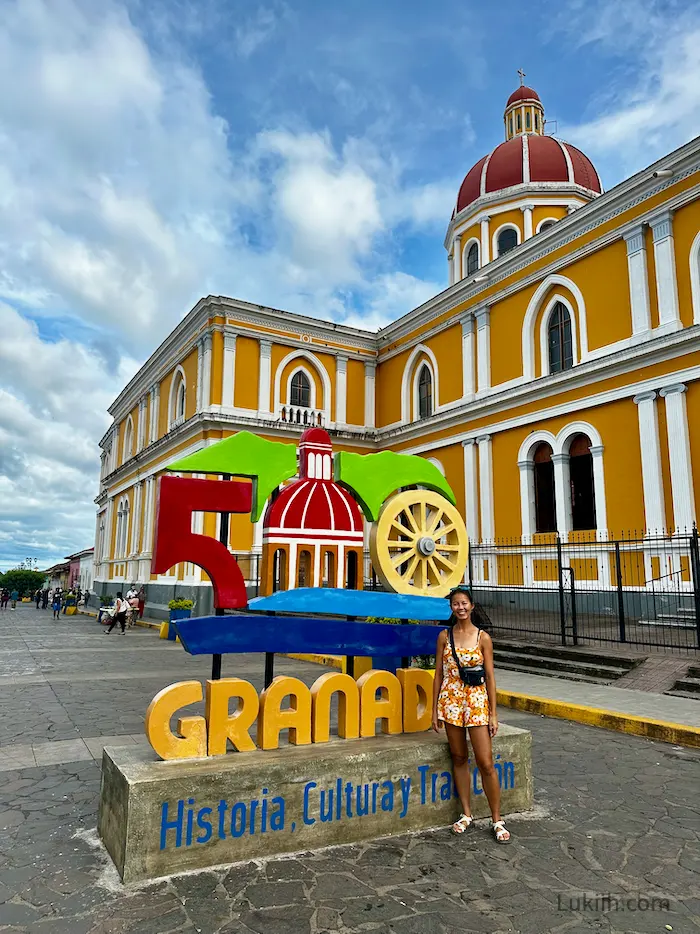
(330, 661)
(676, 733)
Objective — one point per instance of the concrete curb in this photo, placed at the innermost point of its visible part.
(139, 622)
(676, 733)
(330, 661)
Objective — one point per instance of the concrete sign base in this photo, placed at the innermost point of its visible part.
(159, 818)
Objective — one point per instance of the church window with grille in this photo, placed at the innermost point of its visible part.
(300, 390)
(545, 508)
(583, 515)
(425, 393)
(561, 356)
(507, 240)
(472, 259)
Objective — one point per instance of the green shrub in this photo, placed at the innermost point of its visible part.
(105, 600)
(181, 604)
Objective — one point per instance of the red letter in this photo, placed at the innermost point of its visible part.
(175, 541)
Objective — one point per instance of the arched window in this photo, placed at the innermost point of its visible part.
(561, 355)
(519, 123)
(180, 400)
(510, 125)
(128, 440)
(328, 569)
(122, 532)
(583, 516)
(472, 259)
(425, 392)
(546, 225)
(507, 240)
(537, 121)
(527, 120)
(279, 570)
(300, 390)
(351, 571)
(304, 572)
(545, 503)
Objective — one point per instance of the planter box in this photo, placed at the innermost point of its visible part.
(70, 610)
(179, 614)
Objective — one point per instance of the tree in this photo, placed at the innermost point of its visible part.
(23, 581)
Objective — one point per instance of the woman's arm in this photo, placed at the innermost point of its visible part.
(437, 680)
(487, 649)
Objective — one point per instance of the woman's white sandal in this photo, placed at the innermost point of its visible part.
(500, 831)
(463, 823)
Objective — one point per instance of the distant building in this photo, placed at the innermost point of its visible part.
(81, 569)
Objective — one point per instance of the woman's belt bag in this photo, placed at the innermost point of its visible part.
(473, 675)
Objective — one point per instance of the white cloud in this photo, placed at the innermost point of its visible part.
(651, 107)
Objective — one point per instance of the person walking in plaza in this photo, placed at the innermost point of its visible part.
(4, 598)
(14, 597)
(44, 598)
(141, 597)
(37, 598)
(464, 701)
(121, 608)
(56, 603)
(133, 600)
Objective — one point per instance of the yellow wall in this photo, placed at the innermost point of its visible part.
(506, 325)
(514, 218)
(217, 368)
(686, 224)
(447, 347)
(388, 389)
(693, 407)
(651, 278)
(245, 390)
(603, 279)
(190, 366)
(356, 393)
(543, 211)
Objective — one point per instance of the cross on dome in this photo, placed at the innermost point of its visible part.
(522, 76)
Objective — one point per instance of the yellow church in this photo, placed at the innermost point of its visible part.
(554, 382)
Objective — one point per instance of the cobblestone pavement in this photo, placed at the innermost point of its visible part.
(617, 815)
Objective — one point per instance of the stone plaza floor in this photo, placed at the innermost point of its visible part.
(615, 816)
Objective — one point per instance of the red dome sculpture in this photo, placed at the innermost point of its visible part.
(314, 507)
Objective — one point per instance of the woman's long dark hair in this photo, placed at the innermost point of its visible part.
(479, 617)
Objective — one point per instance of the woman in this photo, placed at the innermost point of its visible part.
(464, 653)
(121, 608)
(56, 603)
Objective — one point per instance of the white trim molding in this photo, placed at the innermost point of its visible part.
(465, 251)
(528, 339)
(264, 378)
(128, 442)
(545, 220)
(370, 384)
(341, 390)
(483, 349)
(468, 355)
(527, 210)
(409, 383)
(228, 379)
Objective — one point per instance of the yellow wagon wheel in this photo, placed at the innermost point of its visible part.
(419, 544)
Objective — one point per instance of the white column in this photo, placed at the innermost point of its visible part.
(562, 494)
(450, 269)
(200, 371)
(527, 515)
(468, 357)
(471, 492)
(370, 373)
(265, 376)
(639, 286)
(155, 411)
(457, 254)
(652, 479)
(341, 390)
(148, 517)
(486, 488)
(141, 429)
(206, 372)
(107, 541)
(682, 489)
(485, 249)
(488, 531)
(665, 262)
(527, 210)
(229, 374)
(483, 349)
(136, 519)
(601, 513)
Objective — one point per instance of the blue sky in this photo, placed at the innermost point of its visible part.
(303, 154)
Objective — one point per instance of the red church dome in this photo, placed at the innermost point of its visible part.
(528, 158)
(314, 507)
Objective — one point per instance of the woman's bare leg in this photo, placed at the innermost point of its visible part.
(481, 744)
(457, 738)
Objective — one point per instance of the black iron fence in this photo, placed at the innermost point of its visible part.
(638, 590)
